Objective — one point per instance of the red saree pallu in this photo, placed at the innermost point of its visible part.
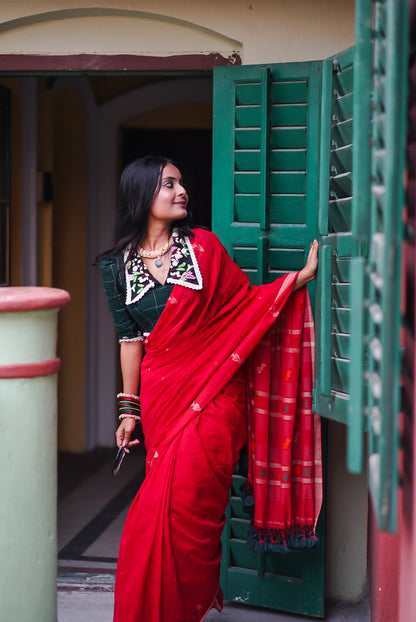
(285, 467)
(194, 415)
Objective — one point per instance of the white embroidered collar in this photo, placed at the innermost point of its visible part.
(183, 270)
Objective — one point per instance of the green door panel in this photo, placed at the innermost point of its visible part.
(265, 183)
(292, 582)
(266, 122)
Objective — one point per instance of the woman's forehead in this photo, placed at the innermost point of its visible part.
(171, 171)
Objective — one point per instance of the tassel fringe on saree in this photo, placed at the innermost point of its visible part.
(207, 347)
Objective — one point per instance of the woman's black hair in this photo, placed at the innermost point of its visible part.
(139, 184)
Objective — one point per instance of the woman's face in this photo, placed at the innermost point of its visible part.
(171, 202)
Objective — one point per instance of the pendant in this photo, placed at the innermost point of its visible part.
(158, 263)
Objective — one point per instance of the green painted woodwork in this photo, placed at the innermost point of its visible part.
(383, 276)
(359, 226)
(359, 218)
(266, 122)
(286, 582)
(355, 419)
(334, 285)
(265, 186)
(363, 59)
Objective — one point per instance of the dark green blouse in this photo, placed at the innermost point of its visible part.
(136, 320)
(135, 298)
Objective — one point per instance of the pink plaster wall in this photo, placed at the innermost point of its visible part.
(407, 592)
(383, 555)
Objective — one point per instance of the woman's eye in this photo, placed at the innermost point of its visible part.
(168, 184)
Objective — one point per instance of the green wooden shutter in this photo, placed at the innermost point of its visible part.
(360, 202)
(344, 196)
(337, 248)
(265, 182)
(383, 276)
(266, 122)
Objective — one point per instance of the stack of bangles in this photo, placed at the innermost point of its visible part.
(128, 406)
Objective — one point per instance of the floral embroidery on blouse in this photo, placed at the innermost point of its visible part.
(138, 279)
(184, 270)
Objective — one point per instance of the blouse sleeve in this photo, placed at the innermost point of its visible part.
(126, 326)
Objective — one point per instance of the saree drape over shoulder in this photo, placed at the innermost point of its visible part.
(207, 348)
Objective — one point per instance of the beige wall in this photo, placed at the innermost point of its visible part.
(69, 260)
(261, 30)
(347, 516)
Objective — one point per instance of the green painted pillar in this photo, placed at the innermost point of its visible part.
(28, 449)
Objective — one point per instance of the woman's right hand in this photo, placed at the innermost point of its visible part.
(308, 273)
(124, 432)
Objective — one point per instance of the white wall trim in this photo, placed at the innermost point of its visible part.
(63, 14)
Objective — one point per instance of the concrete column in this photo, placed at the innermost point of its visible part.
(29, 97)
(28, 447)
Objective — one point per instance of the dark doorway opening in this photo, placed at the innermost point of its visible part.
(191, 149)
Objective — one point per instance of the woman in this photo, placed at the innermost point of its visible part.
(187, 321)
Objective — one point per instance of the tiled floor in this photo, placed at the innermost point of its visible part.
(92, 606)
(92, 508)
(91, 514)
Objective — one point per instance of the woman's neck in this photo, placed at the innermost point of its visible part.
(156, 236)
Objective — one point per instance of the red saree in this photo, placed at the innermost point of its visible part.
(193, 396)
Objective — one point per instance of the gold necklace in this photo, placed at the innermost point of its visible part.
(157, 254)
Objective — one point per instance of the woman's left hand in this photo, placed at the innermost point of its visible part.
(308, 273)
(124, 433)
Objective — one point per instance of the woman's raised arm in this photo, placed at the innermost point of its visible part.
(308, 273)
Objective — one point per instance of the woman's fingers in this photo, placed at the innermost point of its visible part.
(135, 442)
(313, 250)
(312, 261)
(124, 432)
(132, 444)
